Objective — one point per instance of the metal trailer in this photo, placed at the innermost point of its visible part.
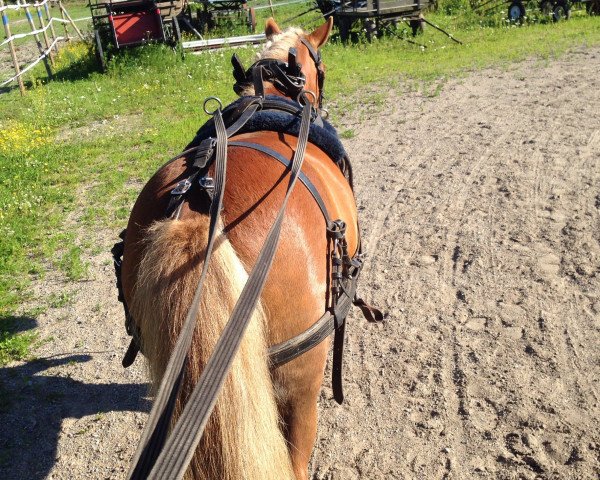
(130, 23)
(374, 15)
(557, 9)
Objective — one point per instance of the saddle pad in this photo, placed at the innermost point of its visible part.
(325, 137)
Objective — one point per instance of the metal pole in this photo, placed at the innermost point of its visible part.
(37, 39)
(12, 49)
(449, 35)
(43, 27)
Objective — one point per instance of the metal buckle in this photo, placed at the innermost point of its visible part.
(207, 183)
(182, 187)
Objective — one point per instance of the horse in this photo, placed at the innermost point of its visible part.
(264, 423)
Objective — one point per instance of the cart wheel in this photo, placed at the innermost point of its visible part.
(516, 12)
(344, 26)
(561, 11)
(546, 8)
(99, 52)
(252, 19)
(417, 25)
(593, 7)
(370, 28)
(176, 32)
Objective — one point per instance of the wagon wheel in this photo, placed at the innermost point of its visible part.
(99, 52)
(370, 27)
(561, 11)
(252, 20)
(344, 26)
(205, 21)
(546, 8)
(516, 12)
(593, 7)
(417, 25)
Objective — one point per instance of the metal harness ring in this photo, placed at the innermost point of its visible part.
(212, 99)
(302, 96)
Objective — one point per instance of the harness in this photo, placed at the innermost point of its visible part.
(344, 269)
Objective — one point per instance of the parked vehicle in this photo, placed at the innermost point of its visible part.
(131, 23)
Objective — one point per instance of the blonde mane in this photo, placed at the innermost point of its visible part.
(277, 47)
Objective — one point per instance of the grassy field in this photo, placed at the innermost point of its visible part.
(74, 152)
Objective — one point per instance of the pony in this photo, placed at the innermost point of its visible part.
(264, 423)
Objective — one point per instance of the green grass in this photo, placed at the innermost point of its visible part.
(74, 151)
(14, 345)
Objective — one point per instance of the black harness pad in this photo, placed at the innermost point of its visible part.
(275, 120)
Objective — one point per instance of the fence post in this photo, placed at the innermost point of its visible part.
(43, 28)
(50, 20)
(12, 48)
(37, 38)
(64, 23)
(64, 11)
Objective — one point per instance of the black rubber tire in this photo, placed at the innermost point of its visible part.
(252, 20)
(546, 8)
(344, 26)
(561, 11)
(593, 7)
(417, 26)
(99, 52)
(516, 12)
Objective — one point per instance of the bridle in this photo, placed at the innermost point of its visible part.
(287, 77)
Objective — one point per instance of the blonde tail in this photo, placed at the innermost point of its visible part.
(243, 439)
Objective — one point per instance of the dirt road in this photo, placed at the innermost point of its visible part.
(480, 206)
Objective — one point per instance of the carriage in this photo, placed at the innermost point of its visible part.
(131, 23)
(556, 9)
(228, 13)
(374, 16)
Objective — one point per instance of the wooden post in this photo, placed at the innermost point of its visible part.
(272, 11)
(51, 23)
(64, 10)
(37, 39)
(43, 27)
(12, 49)
(62, 16)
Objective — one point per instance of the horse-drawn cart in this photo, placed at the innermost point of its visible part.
(214, 13)
(556, 9)
(131, 23)
(373, 16)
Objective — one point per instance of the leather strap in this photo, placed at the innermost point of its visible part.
(174, 458)
(155, 432)
(301, 176)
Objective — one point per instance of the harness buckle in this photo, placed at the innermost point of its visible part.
(182, 187)
(206, 183)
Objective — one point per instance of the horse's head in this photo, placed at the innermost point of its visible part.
(289, 63)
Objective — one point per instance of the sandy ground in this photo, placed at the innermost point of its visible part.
(480, 208)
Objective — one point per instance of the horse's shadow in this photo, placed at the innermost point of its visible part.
(33, 407)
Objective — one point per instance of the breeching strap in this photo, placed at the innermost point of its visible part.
(172, 461)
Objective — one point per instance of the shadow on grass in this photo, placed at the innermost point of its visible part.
(33, 406)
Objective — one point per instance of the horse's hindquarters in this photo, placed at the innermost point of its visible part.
(242, 438)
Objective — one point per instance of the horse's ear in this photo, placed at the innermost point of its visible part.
(271, 28)
(321, 34)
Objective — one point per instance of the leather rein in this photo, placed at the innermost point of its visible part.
(157, 456)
